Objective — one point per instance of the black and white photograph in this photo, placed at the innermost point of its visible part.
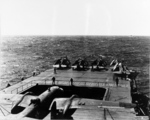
(74, 59)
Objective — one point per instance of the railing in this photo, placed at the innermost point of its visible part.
(23, 87)
(88, 83)
(63, 83)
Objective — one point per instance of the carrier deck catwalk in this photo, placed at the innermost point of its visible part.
(100, 80)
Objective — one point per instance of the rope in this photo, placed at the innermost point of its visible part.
(104, 114)
(110, 114)
(4, 109)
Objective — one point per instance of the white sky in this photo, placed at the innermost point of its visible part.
(75, 17)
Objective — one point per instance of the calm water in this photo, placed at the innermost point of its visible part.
(21, 55)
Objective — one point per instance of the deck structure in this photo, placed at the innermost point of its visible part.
(97, 79)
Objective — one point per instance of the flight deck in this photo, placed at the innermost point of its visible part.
(93, 87)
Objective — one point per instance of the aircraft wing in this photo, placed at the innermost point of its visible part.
(91, 104)
(57, 66)
(77, 103)
(61, 102)
(26, 101)
(10, 99)
(74, 66)
(93, 109)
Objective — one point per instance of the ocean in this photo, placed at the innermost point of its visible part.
(21, 55)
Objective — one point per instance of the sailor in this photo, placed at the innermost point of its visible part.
(53, 80)
(35, 72)
(117, 81)
(22, 78)
(8, 85)
(55, 70)
(71, 82)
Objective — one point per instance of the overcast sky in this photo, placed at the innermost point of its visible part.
(75, 17)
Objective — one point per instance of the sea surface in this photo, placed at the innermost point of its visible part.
(21, 55)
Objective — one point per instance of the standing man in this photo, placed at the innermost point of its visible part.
(53, 80)
(71, 82)
(55, 70)
(117, 81)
